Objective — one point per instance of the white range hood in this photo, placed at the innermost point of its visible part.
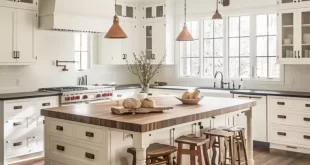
(93, 16)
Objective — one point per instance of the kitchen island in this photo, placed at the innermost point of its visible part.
(81, 134)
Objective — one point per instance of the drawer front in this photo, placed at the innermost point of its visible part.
(302, 105)
(67, 152)
(284, 118)
(17, 147)
(281, 103)
(14, 128)
(15, 110)
(89, 134)
(285, 136)
(61, 128)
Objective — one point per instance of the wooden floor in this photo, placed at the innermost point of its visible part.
(266, 157)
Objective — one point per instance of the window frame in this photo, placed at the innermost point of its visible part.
(89, 51)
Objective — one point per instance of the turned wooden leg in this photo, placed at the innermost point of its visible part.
(169, 161)
(199, 155)
(231, 151)
(141, 142)
(242, 136)
(205, 154)
(192, 156)
(179, 154)
(249, 137)
(213, 149)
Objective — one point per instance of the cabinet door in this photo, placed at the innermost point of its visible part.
(25, 24)
(148, 12)
(128, 44)
(304, 29)
(160, 11)
(130, 11)
(7, 32)
(159, 41)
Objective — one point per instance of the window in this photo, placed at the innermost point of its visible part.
(190, 52)
(81, 51)
(239, 47)
(266, 44)
(213, 46)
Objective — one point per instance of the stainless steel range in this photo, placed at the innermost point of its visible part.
(82, 94)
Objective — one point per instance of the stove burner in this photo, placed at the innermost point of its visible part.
(64, 89)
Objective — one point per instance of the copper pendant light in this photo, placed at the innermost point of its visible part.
(116, 32)
(217, 14)
(185, 35)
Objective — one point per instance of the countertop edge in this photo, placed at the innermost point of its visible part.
(29, 97)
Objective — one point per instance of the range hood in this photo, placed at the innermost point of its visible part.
(92, 16)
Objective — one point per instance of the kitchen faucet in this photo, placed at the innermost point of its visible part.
(222, 77)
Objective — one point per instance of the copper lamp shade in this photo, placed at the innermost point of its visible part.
(116, 32)
(185, 35)
(217, 15)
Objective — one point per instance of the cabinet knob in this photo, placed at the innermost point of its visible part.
(280, 103)
(17, 144)
(60, 148)
(59, 128)
(281, 133)
(89, 134)
(307, 137)
(46, 104)
(17, 107)
(89, 155)
(281, 116)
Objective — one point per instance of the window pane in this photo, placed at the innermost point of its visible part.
(218, 28)
(261, 25)
(208, 47)
(245, 67)
(245, 26)
(218, 65)
(195, 66)
(233, 26)
(218, 47)
(233, 67)
(272, 24)
(208, 67)
(272, 46)
(261, 67)
(261, 46)
(233, 47)
(194, 48)
(185, 63)
(245, 46)
(208, 28)
(194, 29)
(84, 42)
(77, 41)
(274, 69)
(77, 58)
(84, 62)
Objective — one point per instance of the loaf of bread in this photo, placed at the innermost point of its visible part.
(132, 103)
(186, 95)
(148, 103)
(195, 94)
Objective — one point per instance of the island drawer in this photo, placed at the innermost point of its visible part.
(61, 128)
(18, 109)
(281, 103)
(89, 134)
(70, 152)
(282, 135)
(286, 118)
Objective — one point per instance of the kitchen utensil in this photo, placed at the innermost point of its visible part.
(306, 38)
(287, 41)
(190, 101)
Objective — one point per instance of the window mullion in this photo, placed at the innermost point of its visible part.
(201, 47)
(253, 50)
(225, 47)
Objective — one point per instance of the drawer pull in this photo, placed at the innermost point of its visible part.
(306, 137)
(60, 148)
(306, 119)
(17, 123)
(89, 155)
(17, 144)
(89, 134)
(17, 107)
(282, 133)
(59, 128)
(281, 116)
(307, 105)
(46, 104)
(291, 147)
(281, 103)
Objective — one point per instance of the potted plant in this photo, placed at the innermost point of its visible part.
(143, 68)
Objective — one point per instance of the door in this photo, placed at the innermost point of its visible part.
(25, 23)
(7, 35)
(159, 41)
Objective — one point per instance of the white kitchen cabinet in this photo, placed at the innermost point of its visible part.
(294, 36)
(20, 4)
(129, 45)
(154, 12)
(17, 36)
(289, 4)
(259, 113)
(126, 11)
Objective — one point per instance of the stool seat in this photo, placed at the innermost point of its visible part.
(219, 133)
(192, 140)
(233, 129)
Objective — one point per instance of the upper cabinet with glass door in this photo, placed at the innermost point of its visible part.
(126, 12)
(292, 4)
(154, 12)
(21, 4)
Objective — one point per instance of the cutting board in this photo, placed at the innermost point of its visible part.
(122, 110)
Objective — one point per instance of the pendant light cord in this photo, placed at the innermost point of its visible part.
(115, 7)
(185, 12)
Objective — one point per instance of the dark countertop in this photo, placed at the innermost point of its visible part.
(26, 95)
(168, 87)
(272, 93)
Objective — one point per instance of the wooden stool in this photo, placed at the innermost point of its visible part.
(221, 140)
(154, 153)
(193, 142)
(239, 138)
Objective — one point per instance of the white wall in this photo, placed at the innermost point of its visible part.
(51, 46)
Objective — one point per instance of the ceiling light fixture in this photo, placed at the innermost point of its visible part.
(217, 14)
(185, 35)
(116, 32)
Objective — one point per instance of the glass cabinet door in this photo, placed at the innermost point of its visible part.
(305, 34)
(287, 28)
(129, 11)
(159, 11)
(149, 41)
(149, 12)
(119, 10)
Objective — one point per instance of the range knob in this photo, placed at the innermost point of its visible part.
(98, 95)
(77, 97)
(72, 98)
(85, 97)
(67, 98)
(111, 94)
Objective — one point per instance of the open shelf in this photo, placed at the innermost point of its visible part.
(287, 45)
(288, 26)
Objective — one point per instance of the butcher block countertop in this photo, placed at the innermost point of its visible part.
(100, 113)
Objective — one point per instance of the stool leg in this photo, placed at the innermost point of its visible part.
(192, 156)
(231, 152)
(205, 154)
(238, 152)
(199, 155)
(242, 136)
(212, 147)
(169, 162)
(134, 160)
(179, 154)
